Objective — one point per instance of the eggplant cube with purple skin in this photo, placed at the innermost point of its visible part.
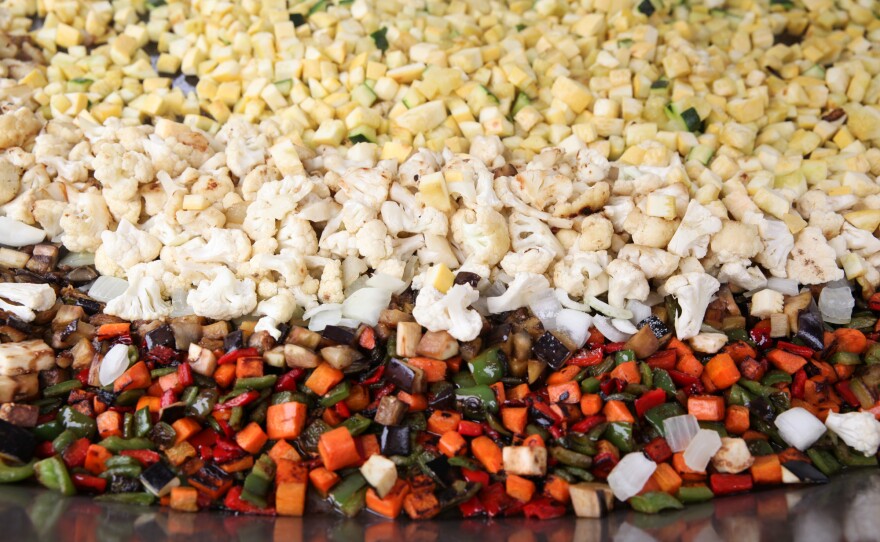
(591, 499)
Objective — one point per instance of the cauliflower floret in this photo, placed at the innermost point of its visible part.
(859, 430)
(229, 247)
(224, 297)
(256, 178)
(432, 249)
(733, 456)
(290, 267)
(652, 231)
(519, 293)
(470, 179)
(582, 273)
(142, 300)
(740, 274)
(373, 242)
(245, 146)
(10, 181)
(592, 166)
(404, 213)
(275, 310)
(26, 298)
(18, 127)
(618, 209)
(331, 289)
(509, 199)
(693, 291)
(125, 248)
(530, 233)
(625, 281)
(860, 241)
(121, 173)
(489, 150)
(297, 235)
(85, 218)
(423, 162)
(708, 343)
(692, 236)
(213, 187)
(596, 233)
(812, 260)
(654, 262)
(777, 239)
(366, 186)
(274, 201)
(48, 214)
(533, 260)
(449, 312)
(481, 234)
(736, 241)
(827, 221)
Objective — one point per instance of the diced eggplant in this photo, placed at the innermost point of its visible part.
(408, 336)
(83, 353)
(82, 275)
(661, 331)
(159, 479)
(407, 377)
(172, 412)
(437, 345)
(441, 396)
(202, 360)
(233, 341)
(187, 330)
(390, 411)
(13, 259)
(53, 376)
(9, 334)
(535, 368)
(217, 330)
(394, 440)
(549, 349)
(500, 335)
(43, 259)
(262, 341)
(20, 415)
(89, 306)
(124, 484)
(16, 443)
(162, 435)
(810, 330)
(805, 472)
(340, 335)
(441, 471)
(340, 357)
(466, 277)
(303, 337)
(161, 336)
(591, 499)
(643, 343)
(470, 349)
(392, 317)
(297, 356)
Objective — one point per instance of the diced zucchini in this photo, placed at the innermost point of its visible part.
(702, 154)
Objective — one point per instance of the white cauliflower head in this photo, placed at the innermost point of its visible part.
(694, 292)
(531, 260)
(527, 232)
(331, 289)
(449, 312)
(626, 281)
(742, 274)
(482, 235)
(654, 262)
(812, 260)
(224, 297)
(488, 149)
(142, 300)
(582, 273)
(83, 222)
(373, 242)
(692, 236)
(297, 235)
(421, 163)
(523, 288)
(596, 232)
(469, 178)
(651, 231)
(245, 146)
(736, 241)
(125, 248)
(276, 310)
(777, 240)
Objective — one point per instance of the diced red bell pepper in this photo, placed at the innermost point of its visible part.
(587, 358)
(543, 508)
(682, 379)
(664, 359)
(761, 333)
(724, 484)
(342, 409)
(603, 463)
(288, 380)
(649, 400)
(496, 500)
(168, 398)
(226, 451)
(206, 437)
(803, 351)
(612, 385)
(555, 430)
(476, 476)
(596, 339)
(241, 400)
(234, 502)
(83, 376)
(44, 450)
(185, 375)
(47, 417)
(587, 423)
(846, 393)
(376, 376)
(472, 508)
(228, 432)
(75, 454)
(874, 302)
(470, 429)
(162, 355)
(367, 338)
(798, 384)
(658, 450)
(611, 348)
(89, 483)
(144, 457)
(235, 355)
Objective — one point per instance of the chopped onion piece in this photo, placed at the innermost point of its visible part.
(607, 329)
(628, 477)
(386, 282)
(179, 306)
(570, 303)
(18, 234)
(701, 448)
(307, 315)
(77, 259)
(546, 307)
(799, 428)
(319, 319)
(106, 288)
(836, 304)
(115, 363)
(575, 324)
(607, 309)
(639, 310)
(680, 430)
(366, 304)
(624, 326)
(783, 286)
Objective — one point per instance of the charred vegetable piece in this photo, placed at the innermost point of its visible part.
(390, 411)
(159, 479)
(656, 325)
(549, 349)
(405, 376)
(161, 336)
(466, 277)
(395, 440)
(811, 330)
(340, 335)
(16, 443)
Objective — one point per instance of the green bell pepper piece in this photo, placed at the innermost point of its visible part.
(605, 367)
(590, 385)
(647, 375)
(620, 434)
(663, 381)
(357, 424)
(845, 358)
(756, 387)
(126, 471)
(116, 444)
(129, 397)
(349, 494)
(48, 430)
(851, 458)
(656, 415)
(622, 356)
(62, 388)
(482, 395)
(282, 397)
(488, 367)
(65, 439)
(776, 377)
(824, 461)
(79, 423)
(654, 502)
(694, 494)
(759, 447)
(737, 395)
(338, 393)
(189, 395)
(203, 404)
(570, 458)
(255, 382)
(463, 379)
(52, 473)
(872, 356)
(143, 422)
(10, 474)
(259, 481)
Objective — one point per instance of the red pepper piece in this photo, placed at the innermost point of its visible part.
(664, 359)
(586, 358)
(47, 417)
(342, 409)
(798, 384)
(587, 423)
(543, 508)
(658, 450)
(612, 385)
(472, 508)
(844, 390)
(234, 502)
(75, 454)
(376, 376)
(874, 302)
(227, 430)
(44, 450)
(556, 431)
(288, 380)
(761, 333)
(241, 400)
(803, 351)
(226, 451)
(649, 400)
(545, 410)
(234, 356)
(602, 464)
(611, 348)
(204, 438)
(162, 355)
(144, 457)
(83, 376)
(185, 375)
(367, 338)
(89, 483)
(168, 398)
(596, 339)
(724, 484)
(470, 429)
(496, 500)
(682, 379)
(477, 476)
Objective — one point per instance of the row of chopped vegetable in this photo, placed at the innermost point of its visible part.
(396, 419)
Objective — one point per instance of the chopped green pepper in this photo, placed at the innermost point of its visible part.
(620, 434)
(62, 388)
(653, 502)
(255, 383)
(52, 473)
(138, 499)
(694, 494)
(10, 474)
(488, 367)
(116, 444)
(338, 393)
(656, 415)
(142, 422)
(79, 423)
(349, 494)
(474, 400)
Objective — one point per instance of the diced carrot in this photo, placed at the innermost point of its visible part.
(435, 370)
(442, 421)
(566, 374)
(185, 428)
(498, 390)
(390, 505)
(136, 377)
(616, 411)
(155, 390)
(283, 450)
(338, 449)
(751, 434)
(737, 419)
(690, 365)
(521, 489)
(567, 392)
(179, 453)
(290, 498)
(605, 447)
(722, 370)
(767, 470)
(708, 408)
(108, 331)
(591, 404)
(291, 471)
(323, 378)
(285, 420)
(708, 385)
(252, 438)
(451, 444)
(557, 489)
(786, 361)
(628, 372)
(323, 479)
(826, 371)
(224, 375)
(684, 471)
(96, 456)
(792, 454)
(651, 486)
(667, 479)
(368, 445)
(152, 403)
(844, 372)
(454, 364)
(488, 453)
(417, 402)
(109, 424)
(850, 340)
(248, 367)
(518, 392)
(681, 348)
(332, 417)
(239, 465)
(170, 382)
(515, 418)
(534, 440)
(358, 398)
(184, 499)
(740, 351)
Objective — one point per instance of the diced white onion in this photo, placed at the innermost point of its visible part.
(546, 307)
(115, 363)
(680, 430)
(106, 288)
(575, 324)
(366, 304)
(18, 234)
(77, 259)
(607, 309)
(179, 306)
(386, 282)
(628, 477)
(836, 304)
(701, 448)
(799, 428)
(624, 326)
(639, 310)
(607, 329)
(783, 286)
(318, 320)
(570, 303)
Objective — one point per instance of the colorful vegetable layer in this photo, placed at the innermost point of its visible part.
(391, 418)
